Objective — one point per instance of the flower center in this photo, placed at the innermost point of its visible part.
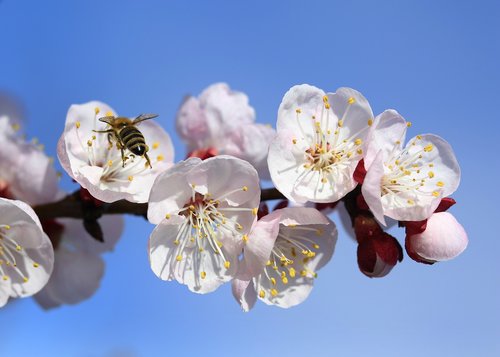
(9, 250)
(329, 148)
(409, 171)
(208, 221)
(290, 256)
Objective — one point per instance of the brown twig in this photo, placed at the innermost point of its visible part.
(71, 207)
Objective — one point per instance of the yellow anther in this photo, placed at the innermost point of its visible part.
(327, 105)
(130, 178)
(407, 172)
(110, 163)
(396, 162)
(351, 100)
(311, 254)
(156, 145)
(160, 158)
(325, 99)
(419, 137)
(273, 281)
(16, 127)
(227, 264)
(340, 123)
(430, 174)
(109, 113)
(411, 202)
(298, 111)
(398, 142)
(77, 124)
(7, 227)
(435, 194)
(245, 188)
(358, 141)
(303, 273)
(408, 124)
(254, 211)
(262, 294)
(294, 141)
(428, 148)
(319, 232)
(178, 258)
(370, 122)
(191, 207)
(203, 275)
(431, 165)
(315, 246)
(5, 277)
(324, 180)
(291, 271)
(349, 154)
(268, 263)
(18, 248)
(440, 183)
(274, 292)
(359, 151)
(176, 242)
(167, 216)
(36, 265)
(89, 143)
(244, 238)
(25, 279)
(284, 280)
(96, 110)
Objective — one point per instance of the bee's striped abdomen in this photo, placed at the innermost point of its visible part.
(133, 140)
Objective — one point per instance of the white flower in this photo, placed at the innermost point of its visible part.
(26, 255)
(443, 239)
(26, 173)
(321, 138)
(407, 183)
(96, 165)
(282, 255)
(78, 266)
(223, 121)
(204, 211)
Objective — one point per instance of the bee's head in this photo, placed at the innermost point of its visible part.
(108, 119)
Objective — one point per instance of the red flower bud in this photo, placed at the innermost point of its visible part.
(378, 255)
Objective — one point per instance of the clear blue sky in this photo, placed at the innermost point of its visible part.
(436, 62)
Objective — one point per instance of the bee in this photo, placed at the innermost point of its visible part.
(123, 131)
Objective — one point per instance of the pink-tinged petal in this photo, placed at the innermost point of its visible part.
(202, 272)
(76, 277)
(244, 293)
(371, 189)
(191, 122)
(259, 245)
(305, 100)
(170, 191)
(223, 174)
(388, 136)
(225, 106)
(250, 143)
(353, 109)
(28, 256)
(443, 239)
(305, 243)
(75, 235)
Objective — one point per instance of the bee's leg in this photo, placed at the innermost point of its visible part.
(109, 139)
(124, 158)
(103, 131)
(148, 162)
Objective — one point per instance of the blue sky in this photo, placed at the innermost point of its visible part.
(436, 62)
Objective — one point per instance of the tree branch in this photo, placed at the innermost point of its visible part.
(71, 206)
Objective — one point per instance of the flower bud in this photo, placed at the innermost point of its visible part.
(378, 255)
(443, 239)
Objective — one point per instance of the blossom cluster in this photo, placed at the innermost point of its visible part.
(211, 224)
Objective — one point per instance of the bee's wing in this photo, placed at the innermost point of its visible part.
(143, 117)
(107, 119)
